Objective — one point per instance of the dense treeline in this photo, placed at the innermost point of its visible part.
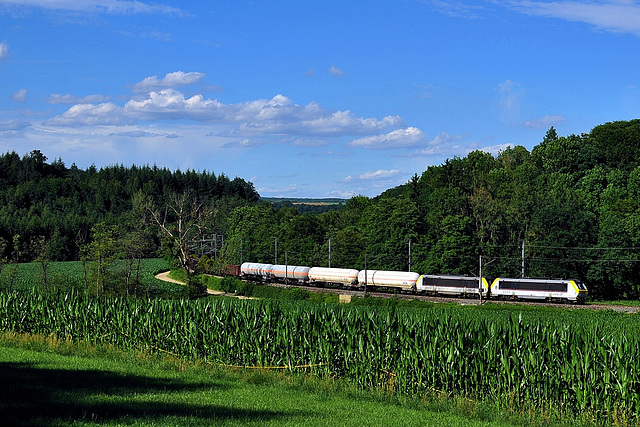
(49, 202)
(574, 201)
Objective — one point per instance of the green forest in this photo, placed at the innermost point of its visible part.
(570, 206)
(574, 202)
(49, 209)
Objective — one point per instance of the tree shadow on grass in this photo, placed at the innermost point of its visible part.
(33, 396)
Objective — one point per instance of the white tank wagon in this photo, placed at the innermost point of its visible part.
(539, 289)
(291, 273)
(256, 270)
(451, 285)
(337, 276)
(393, 279)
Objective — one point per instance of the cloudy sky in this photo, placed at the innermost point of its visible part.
(309, 98)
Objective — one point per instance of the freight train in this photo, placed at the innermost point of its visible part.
(560, 290)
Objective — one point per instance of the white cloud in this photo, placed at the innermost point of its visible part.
(13, 125)
(171, 80)
(156, 35)
(621, 16)
(145, 134)
(545, 122)
(309, 142)
(456, 8)
(72, 99)
(347, 194)
(286, 191)
(275, 117)
(442, 144)
(112, 7)
(4, 50)
(91, 115)
(398, 138)
(373, 180)
(20, 96)
(336, 71)
(380, 173)
(493, 149)
(13, 128)
(510, 101)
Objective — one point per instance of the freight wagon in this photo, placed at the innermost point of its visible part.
(465, 286)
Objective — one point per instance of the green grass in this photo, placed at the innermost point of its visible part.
(236, 286)
(45, 382)
(626, 303)
(70, 275)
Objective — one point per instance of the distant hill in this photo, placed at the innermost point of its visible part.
(306, 205)
(303, 201)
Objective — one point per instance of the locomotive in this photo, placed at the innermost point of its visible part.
(562, 290)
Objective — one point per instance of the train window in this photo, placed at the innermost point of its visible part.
(535, 286)
(451, 282)
(506, 284)
(559, 287)
(454, 283)
(429, 281)
(472, 283)
(541, 286)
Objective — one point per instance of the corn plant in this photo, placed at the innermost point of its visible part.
(578, 361)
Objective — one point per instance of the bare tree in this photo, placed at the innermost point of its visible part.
(181, 221)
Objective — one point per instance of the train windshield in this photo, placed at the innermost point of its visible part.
(581, 285)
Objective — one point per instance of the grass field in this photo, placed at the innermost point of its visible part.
(46, 382)
(70, 275)
(598, 355)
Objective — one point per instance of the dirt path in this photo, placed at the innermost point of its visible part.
(165, 277)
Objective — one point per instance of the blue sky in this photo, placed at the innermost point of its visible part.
(309, 99)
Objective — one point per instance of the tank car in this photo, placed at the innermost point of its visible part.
(452, 285)
(539, 289)
(405, 280)
(334, 276)
(297, 273)
(256, 271)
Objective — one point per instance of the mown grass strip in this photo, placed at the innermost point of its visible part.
(44, 381)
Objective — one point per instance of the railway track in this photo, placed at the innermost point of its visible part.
(461, 301)
(435, 299)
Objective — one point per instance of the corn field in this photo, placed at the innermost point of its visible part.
(578, 362)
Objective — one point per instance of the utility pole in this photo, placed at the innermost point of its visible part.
(409, 254)
(365, 272)
(329, 252)
(276, 252)
(523, 259)
(480, 281)
(480, 278)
